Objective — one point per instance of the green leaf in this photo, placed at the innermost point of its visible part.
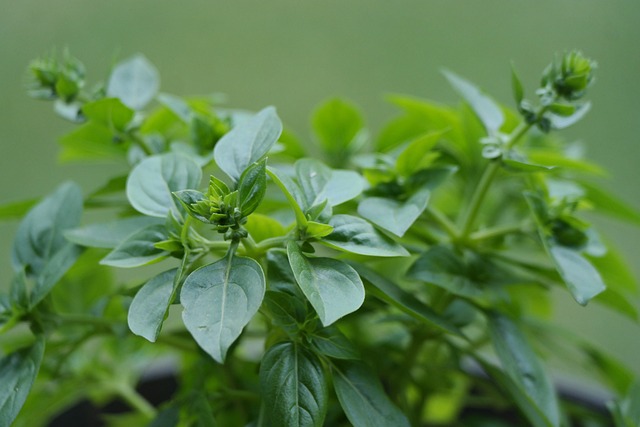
(109, 112)
(523, 367)
(135, 81)
(188, 198)
(138, 249)
(262, 227)
(333, 288)
(91, 141)
(41, 233)
(286, 311)
(332, 343)
(393, 215)
(627, 411)
(317, 230)
(516, 86)
(18, 371)
(177, 106)
(109, 234)
(17, 209)
(482, 105)
(618, 302)
(294, 386)
(219, 299)
(292, 192)
(608, 203)
(562, 120)
(545, 157)
(53, 271)
(149, 307)
(513, 165)
(411, 159)
(319, 182)
(355, 235)
(247, 142)
(582, 279)
(362, 397)
(152, 181)
(336, 122)
(387, 291)
(251, 187)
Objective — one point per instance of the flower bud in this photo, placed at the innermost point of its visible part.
(570, 76)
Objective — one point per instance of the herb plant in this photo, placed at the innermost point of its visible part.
(401, 280)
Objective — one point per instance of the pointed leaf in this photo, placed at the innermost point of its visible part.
(294, 386)
(138, 249)
(332, 343)
(149, 307)
(109, 234)
(152, 181)
(292, 192)
(219, 299)
(333, 288)
(411, 158)
(393, 215)
(247, 142)
(109, 112)
(516, 86)
(362, 397)
(355, 235)
(336, 122)
(53, 271)
(251, 187)
(135, 81)
(319, 182)
(582, 279)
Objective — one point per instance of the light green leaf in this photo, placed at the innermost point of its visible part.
(109, 234)
(139, 248)
(18, 371)
(482, 105)
(513, 165)
(41, 233)
(317, 230)
(247, 142)
(355, 235)
(294, 386)
(411, 159)
(393, 215)
(135, 81)
(333, 288)
(362, 397)
(332, 343)
(177, 106)
(91, 141)
(261, 227)
(219, 299)
(582, 279)
(523, 367)
(251, 187)
(319, 182)
(149, 307)
(393, 294)
(292, 192)
(109, 112)
(546, 157)
(152, 181)
(609, 204)
(336, 122)
(17, 209)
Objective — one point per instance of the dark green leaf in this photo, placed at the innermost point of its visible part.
(294, 386)
(149, 307)
(362, 397)
(152, 181)
(393, 215)
(168, 417)
(139, 248)
(53, 271)
(219, 299)
(523, 367)
(355, 235)
(188, 198)
(332, 343)
(109, 234)
(41, 233)
(17, 372)
(286, 311)
(483, 106)
(333, 288)
(251, 187)
(247, 142)
(109, 112)
(135, 81)
(393, 294)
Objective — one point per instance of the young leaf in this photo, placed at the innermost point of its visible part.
(18, 370)
(251, 187)
(516, 86)
(109, 234)
(152, 181)
(293, 193)
(522, 366)
(41, 233)
(319, 182)
(317, 230)
(393, 215)
(562, 121)
(135, 81)
(336, 122)
(355, 235)
(333, 288)
(109, 112)
(393, 294)
(219, 299)
(187, 199)
(138, 249)
(411, 158)
(362, 397)
(294, 386)
(483, 106)
(247, 142)
(149, 307)
(262, 227)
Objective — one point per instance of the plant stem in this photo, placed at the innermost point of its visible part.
(497, 232)
(447, 225)
(272, 242)
(135, 400)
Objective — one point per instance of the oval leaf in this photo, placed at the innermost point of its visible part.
(319, 182)
(247, 142)
(219, 299)
(152, 181)
(294, 386)
(109, 234)
(135, 81)
(149, 307)
(392, 215)
(333, 288)
(355, 235)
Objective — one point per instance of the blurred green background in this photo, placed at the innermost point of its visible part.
(295, 53)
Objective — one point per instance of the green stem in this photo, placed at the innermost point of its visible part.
(447, 225)
(135, 400)
(270, 243)
(497, 232)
